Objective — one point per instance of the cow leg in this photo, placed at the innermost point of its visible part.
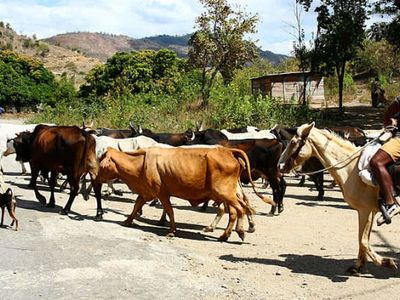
(113, 190)
(319, 184)
(213, 225)
(276, 191)
(302, 181)
(168, 209)
(23, 169)
(140, 201)
(2, 216)
(52, 184)
(205, 206)
(163, 218)
(232, 219)
(74, 184)
(34, 175)
(11, 212)
(282, 191)
(85, 191)
(240, 220)
(97, 192)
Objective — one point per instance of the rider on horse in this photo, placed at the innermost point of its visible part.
(388, 154)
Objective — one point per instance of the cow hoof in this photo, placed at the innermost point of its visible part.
(170, 235)
(127, 223)
(389, 263)
(42, 200)
(98, 217)
(251, 229)
(63, 212)
(241, 235)
(107, 194)
(50, 204)
(223, 238)
(280, 208)
(161, 222)
(154, 202)
(118, 193)
(208, 229)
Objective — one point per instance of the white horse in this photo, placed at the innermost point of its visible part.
(334, 151)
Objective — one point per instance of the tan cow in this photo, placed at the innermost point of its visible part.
(196, 175)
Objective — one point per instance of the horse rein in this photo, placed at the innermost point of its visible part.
(348, 159)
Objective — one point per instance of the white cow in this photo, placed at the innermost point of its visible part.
(261, 134)
(7, 133)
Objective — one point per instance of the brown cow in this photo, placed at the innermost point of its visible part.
(196, 175)
(58, 149)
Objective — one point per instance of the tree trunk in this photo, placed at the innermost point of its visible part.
(340, 74)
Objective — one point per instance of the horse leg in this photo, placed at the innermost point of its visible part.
(365, 221)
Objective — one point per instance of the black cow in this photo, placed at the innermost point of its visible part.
(58, 149)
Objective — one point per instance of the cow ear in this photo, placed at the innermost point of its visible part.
(304, 130)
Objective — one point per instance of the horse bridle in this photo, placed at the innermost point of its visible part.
(289, 162)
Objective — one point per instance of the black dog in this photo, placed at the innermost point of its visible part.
(7, 201)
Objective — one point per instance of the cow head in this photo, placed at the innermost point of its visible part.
(22, 145)
(298, 150)
(107, 167)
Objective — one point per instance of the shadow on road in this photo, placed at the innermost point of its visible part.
(322, 266)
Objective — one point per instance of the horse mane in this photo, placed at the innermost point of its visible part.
(338, 139)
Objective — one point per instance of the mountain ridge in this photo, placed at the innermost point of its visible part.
(104, 45)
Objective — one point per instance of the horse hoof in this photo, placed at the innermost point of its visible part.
(63, 212)
(208, 229)
(353, 271)
(389, 263)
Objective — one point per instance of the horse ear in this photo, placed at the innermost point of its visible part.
(304, 130)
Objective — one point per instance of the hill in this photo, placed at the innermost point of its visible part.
(103, 45)
(57, 59)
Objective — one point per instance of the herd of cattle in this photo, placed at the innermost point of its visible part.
(197, 166)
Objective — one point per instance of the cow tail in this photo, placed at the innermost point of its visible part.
(85, 161)
(240, 155)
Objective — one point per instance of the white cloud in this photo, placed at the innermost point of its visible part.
(140, 18)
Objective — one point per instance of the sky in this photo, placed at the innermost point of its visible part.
(142, 18)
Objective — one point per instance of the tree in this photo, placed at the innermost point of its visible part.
(134, 72)
(389, 30)
(341, 31)
(219, 44)
(301, 52)
(24, 81)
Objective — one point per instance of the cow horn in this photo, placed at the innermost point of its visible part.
(192, 137)
(140, 130)
(131, 126)
(275, 127)
(90, 125)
